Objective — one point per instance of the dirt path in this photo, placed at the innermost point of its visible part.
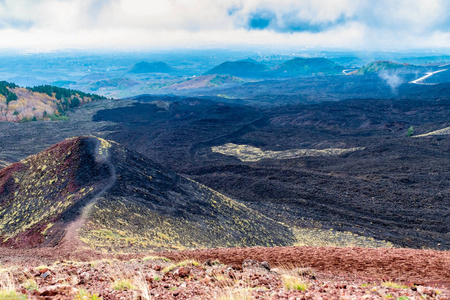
(70, 240)
(429, 74)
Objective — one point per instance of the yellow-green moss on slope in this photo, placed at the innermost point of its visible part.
(152, 208)
(139, 204)
(250, 153)
(332, 238)
(124, 225)
(42, 188)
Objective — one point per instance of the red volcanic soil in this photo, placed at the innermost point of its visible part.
(416, 270)
(6, 180)
(408, 265)
(411, 265)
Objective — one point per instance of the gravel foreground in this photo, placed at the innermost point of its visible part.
(234, 273)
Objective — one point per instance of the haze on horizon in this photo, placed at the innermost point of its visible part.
(171, 24)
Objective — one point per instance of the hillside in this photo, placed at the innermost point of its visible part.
(116, 83)
(39, 103)
(377, 66)
(120, 200)
(308, 67)
(392, 190)
(154, 67)
(206, 81)
(291, 68)
(242, 68)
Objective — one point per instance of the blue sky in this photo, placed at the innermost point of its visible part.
(168, 24)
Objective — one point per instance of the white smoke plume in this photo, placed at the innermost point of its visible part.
(392, 78)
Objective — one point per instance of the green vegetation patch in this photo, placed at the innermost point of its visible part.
(377, 66)
(123, 285)
(11, 295)
(184, 263)
(218, 80)
(294, 283)
(5, 90)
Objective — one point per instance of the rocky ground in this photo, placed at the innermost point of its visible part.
(392, 191)
(287, 273)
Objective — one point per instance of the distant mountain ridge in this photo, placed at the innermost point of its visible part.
(291, 68)
(154, 67)
(380, 65)
(309, 67)
(242, 68)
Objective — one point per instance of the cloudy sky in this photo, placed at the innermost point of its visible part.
(168, 24)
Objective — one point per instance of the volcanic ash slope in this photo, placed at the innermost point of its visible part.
(112, 198)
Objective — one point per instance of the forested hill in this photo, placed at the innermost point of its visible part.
(43, 102)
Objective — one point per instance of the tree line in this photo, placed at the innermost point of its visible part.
(10, 96)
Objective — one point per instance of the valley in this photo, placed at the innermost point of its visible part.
(352, 192)
(318, 165)
(224, 150)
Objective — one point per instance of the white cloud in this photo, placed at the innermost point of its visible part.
(55, 24)
(314, 11)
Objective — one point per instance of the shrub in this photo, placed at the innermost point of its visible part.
(147, 258)
(223, 281)
(123, 285)
(85, 295)
(24, 120)
(410, 131)
(183, 263)
(30, 285)
(241, 294)
(11, 295)
(8, 288)
(394, 285)
(294, 283)
(58, 118)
